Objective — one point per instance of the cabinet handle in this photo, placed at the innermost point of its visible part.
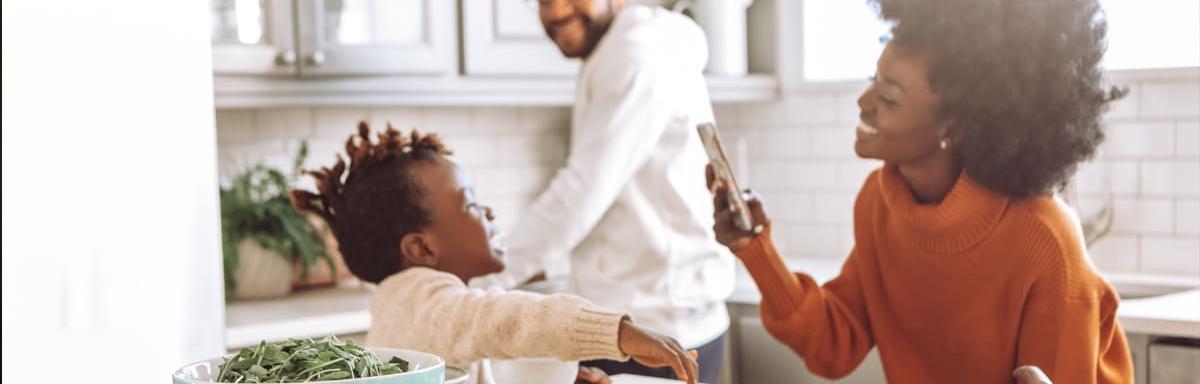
(287, 57)
(316, 58)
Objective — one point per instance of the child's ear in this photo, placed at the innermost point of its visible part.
(416, 249)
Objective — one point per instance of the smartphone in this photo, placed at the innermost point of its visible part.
(722, 171)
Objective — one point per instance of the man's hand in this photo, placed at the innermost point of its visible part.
(654, 350)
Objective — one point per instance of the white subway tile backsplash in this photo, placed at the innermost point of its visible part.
(1187, 217)
(848, 109)
(852, 174)
(1187, 138)
(1172, 178)
(1143, 216)
(1115, 253)
(497, 182)
(781, 235)
(530, 149)
(555, 120)
(472, 150)
(1173, 256)
(762, 114)
(788, 207)
(235, 125)
(726, 116)
(1125, 108)
(742, 145)
(767, 176)
(813, 241)
(799, 153)
(321, 152)
(833, 208)
(1176, 99)
(449, 120)
(404, 119)
(834, 142)
(786, 143)
(809, 109)
(845, 243)
(340, 123)
(814, 175)
(1140, 139)
(283, 123)
(1123, 177)
(496, 119)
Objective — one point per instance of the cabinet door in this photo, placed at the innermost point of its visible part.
(377, 37)
(505, 37)
(762, 359)
(253, 37)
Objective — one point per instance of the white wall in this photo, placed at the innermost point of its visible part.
(111, 266)
(510, 153)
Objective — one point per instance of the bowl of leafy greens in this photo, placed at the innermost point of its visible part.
(306, 360)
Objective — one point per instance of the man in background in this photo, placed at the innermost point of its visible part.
(627, 213)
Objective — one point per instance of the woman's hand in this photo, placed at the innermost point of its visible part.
(727, 233)
(654, 350)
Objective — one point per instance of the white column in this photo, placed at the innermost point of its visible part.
(111, 248)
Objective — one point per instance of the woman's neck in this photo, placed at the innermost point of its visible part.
(931, 178)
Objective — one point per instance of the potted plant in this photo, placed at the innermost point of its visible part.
(263, 237)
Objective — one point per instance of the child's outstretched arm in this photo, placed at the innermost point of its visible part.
(465, 325)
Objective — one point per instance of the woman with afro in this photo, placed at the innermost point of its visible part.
(965, 266)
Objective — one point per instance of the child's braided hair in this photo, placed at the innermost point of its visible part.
(380, 200)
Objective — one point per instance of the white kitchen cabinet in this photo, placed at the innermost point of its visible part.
(505, 37)
(321, 38)
(376, 37)
(253, 37)
(363, 53)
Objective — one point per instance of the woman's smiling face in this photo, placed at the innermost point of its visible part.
(898, 115)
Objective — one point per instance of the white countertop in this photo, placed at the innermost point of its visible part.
(344, 309)
(1174, 314)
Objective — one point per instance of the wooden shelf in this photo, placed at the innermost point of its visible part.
(270, 92)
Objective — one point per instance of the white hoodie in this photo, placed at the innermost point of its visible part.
(630, 210)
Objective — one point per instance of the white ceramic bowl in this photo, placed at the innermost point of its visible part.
(426, 369)
(456, 376)
(535, 370)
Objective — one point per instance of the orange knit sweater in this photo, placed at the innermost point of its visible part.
(961, 291)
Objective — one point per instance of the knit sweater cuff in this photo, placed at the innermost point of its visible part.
(596, 334)
(775, 283)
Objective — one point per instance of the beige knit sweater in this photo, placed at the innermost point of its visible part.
(432, 311)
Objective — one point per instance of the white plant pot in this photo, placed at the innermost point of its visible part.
(261, 273)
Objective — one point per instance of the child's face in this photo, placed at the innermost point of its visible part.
(461, 233)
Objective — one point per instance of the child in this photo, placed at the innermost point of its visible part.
(406, 219)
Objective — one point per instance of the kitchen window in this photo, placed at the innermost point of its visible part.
(842, 38)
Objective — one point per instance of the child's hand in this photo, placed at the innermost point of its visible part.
(592, 375)
(654, 350)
